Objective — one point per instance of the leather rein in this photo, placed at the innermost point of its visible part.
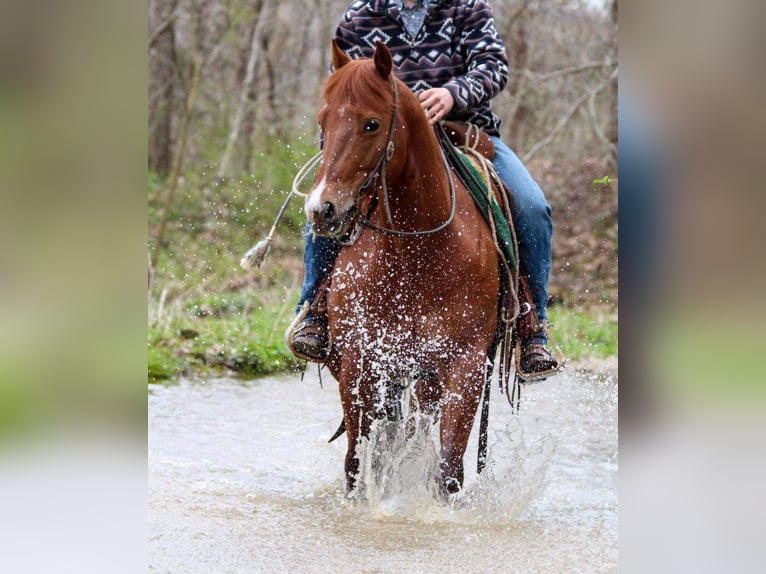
(380, 171)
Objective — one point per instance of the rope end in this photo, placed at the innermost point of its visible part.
(255, 257)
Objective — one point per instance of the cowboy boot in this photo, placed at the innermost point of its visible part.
(311, 337)
(536, 362)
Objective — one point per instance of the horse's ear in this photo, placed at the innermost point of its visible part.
(382, 58)
(339, 57)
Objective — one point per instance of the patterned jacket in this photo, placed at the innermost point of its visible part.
(457, 48)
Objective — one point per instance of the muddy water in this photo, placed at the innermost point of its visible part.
(242, 479)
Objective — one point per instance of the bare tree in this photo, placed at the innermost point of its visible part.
(247, 87)
(206, 45)
(611, 132)
(518, 50)
(162, 71)
(262, 80)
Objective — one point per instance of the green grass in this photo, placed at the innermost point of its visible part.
(208, 317)
(221, 334)
(240, 334)
(583, 334)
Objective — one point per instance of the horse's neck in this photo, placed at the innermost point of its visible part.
(419, 193)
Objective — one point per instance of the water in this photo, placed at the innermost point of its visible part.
(242, 479)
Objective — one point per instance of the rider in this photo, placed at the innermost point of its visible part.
(450, 54)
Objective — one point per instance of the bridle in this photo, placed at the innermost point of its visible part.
(380, 171)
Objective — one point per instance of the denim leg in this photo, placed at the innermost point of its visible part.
(318, 258)
(534, 225)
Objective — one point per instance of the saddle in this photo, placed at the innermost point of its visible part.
(515, 292)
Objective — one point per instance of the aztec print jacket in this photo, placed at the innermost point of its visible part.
(458, 48)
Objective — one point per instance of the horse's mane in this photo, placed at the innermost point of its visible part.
(358, 82)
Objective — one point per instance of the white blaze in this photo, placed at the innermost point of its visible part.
(314, 200)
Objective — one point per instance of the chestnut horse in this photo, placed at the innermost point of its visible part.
(414, 293)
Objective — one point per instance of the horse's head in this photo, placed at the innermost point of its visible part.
(357, 120)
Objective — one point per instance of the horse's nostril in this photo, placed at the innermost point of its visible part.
(328, 211)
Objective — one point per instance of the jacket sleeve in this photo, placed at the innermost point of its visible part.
(485, 57)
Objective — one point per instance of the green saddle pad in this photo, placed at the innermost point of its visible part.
(484, 199)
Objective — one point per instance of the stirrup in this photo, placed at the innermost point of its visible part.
(539, 376)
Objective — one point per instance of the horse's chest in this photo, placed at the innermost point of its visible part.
(384, 290)
(382, 304)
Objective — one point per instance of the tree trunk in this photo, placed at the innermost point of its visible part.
(275, 124)
(178, 161)
(248, 133)
(161, 85)
(518, 56)
(245, 92)
(611, 132)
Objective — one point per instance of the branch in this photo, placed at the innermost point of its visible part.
(513, 17)
(568, 116)
(544, 77)
(169, 21)
(597, 130)
(536, 79)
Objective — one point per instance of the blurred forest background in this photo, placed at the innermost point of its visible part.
(233, 93)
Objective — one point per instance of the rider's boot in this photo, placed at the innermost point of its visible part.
(536, 362)
(310, 339)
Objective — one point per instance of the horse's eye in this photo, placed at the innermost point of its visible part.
(371, 126)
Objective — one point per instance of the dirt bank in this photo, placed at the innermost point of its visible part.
(584, 203)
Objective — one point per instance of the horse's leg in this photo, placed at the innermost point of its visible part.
(349, 383)
(357, 402)
(428, 392)
(351, 418)
(460, 401)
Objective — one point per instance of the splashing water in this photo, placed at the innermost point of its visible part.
(242, 479)
(399, 467)
(399, 473)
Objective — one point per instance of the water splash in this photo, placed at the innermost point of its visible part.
(399, 474)
(236, 486)
(514, 476)
(399, 466)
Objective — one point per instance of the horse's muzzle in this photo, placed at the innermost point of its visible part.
(326, 221)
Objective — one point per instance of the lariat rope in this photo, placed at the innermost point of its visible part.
(256, 255)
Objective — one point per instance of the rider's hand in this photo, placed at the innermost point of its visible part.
(437, 103)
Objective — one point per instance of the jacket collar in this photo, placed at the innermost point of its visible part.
(383, 6)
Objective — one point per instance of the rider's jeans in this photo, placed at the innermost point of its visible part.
(534, 227)
(532, 217)
(318, 256)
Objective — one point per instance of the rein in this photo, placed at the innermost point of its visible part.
(389, 150)
(380, 169)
